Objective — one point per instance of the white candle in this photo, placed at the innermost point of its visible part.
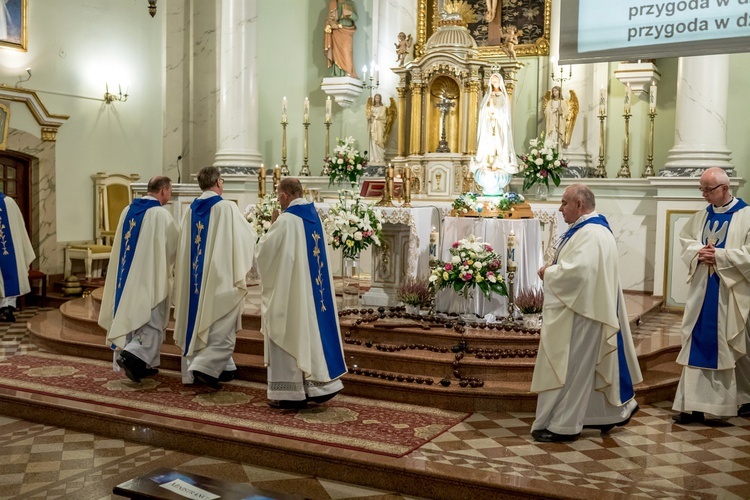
(306, 111)
(328, 110)
(602, 101)
(434, 243)
(652, 98)
(377, 73)
(283, 110)
(512, 250)
(364, 72)
(628, 95)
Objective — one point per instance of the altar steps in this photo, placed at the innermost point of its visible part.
(397, 359)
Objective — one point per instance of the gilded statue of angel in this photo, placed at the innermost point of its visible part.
(560, 115)
(380, 120)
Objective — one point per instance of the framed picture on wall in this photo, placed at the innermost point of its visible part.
(486, 20)
(13, 22)
(4, 124)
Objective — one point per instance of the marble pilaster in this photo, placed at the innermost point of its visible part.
(238, 86)
(700, 138)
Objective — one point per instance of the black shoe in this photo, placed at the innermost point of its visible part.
(683, 418)
(287, 405)
(150, 372)
(227, 375)
(545, 436)
(744, 410)
(133, 366)
(208, 380)
(6, 314)
(322, 399)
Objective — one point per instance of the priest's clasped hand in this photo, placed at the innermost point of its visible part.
(707, 254)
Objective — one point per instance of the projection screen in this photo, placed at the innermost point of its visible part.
(618, 30)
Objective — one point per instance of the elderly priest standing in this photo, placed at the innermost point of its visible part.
(716, 248)
(214, 255)
(135, 304)
(303, 348)
(16, 255)
(587, 366)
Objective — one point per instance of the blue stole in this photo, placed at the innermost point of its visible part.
(321, 288)
(704, 342)
(199, 218)
(128, 241)
(8, 266)
(626, 382)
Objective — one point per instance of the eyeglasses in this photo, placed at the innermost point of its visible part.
(710, 190)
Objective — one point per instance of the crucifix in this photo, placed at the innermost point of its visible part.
(444, 105)
(494, 20)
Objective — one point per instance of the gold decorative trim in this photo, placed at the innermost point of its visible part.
(424, 31)
(49, 122)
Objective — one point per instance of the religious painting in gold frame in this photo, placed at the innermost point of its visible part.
(13, 23)
(530, 16)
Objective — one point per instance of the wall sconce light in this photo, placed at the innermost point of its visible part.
(21, 80)
(110, 98)
(152, 7)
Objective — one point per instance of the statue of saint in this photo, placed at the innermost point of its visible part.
(338, 39)
(495, 160)
(380, 120)
(556, 113)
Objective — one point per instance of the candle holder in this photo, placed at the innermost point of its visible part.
(624, 172)
(284, 168)
(326, 171)
(305, 170)
(261, 183)
(649, 170)
(511, 293)
(601, 169)
(387, 199)
(406, 187)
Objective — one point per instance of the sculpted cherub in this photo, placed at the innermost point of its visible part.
(509, 39)
(402, 47)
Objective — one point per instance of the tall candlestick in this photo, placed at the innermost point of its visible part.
(283, 110)
(602, 101)
(652, 98)
(306, 111)
(628, 96)
(328, 110)
(406, 187)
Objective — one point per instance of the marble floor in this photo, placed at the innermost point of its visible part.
(650, 458)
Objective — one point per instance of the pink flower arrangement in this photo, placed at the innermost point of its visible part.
(472, 264)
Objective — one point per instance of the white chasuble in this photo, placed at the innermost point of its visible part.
(584, 283)
(297, 297)
(222, 243)
(129, 298)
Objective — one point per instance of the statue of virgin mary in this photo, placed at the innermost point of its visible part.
(495, 160)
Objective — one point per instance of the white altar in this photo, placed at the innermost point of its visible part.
(529, 256)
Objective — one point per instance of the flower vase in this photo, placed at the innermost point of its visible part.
(532, 320)
(466, 311)
(542, 191)
(350, 271)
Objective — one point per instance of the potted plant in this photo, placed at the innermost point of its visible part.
(414, 293)
(530, 301)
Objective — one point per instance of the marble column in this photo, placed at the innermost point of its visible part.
(237, 131)
(700, 137)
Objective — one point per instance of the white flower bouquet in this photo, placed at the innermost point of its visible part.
(352, 225)
(472, 264)
(346, 163)
(259, 215)
(542, 163)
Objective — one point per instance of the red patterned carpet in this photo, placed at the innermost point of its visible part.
(391, 429)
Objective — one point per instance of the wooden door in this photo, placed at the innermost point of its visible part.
(15, 182)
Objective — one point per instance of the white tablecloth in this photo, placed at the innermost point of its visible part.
(494, 231)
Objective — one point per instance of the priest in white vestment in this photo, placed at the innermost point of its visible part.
(214, 254)
(135, 303)
(715, 243)
(586, 367)
(16, 255)
(299, 320)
